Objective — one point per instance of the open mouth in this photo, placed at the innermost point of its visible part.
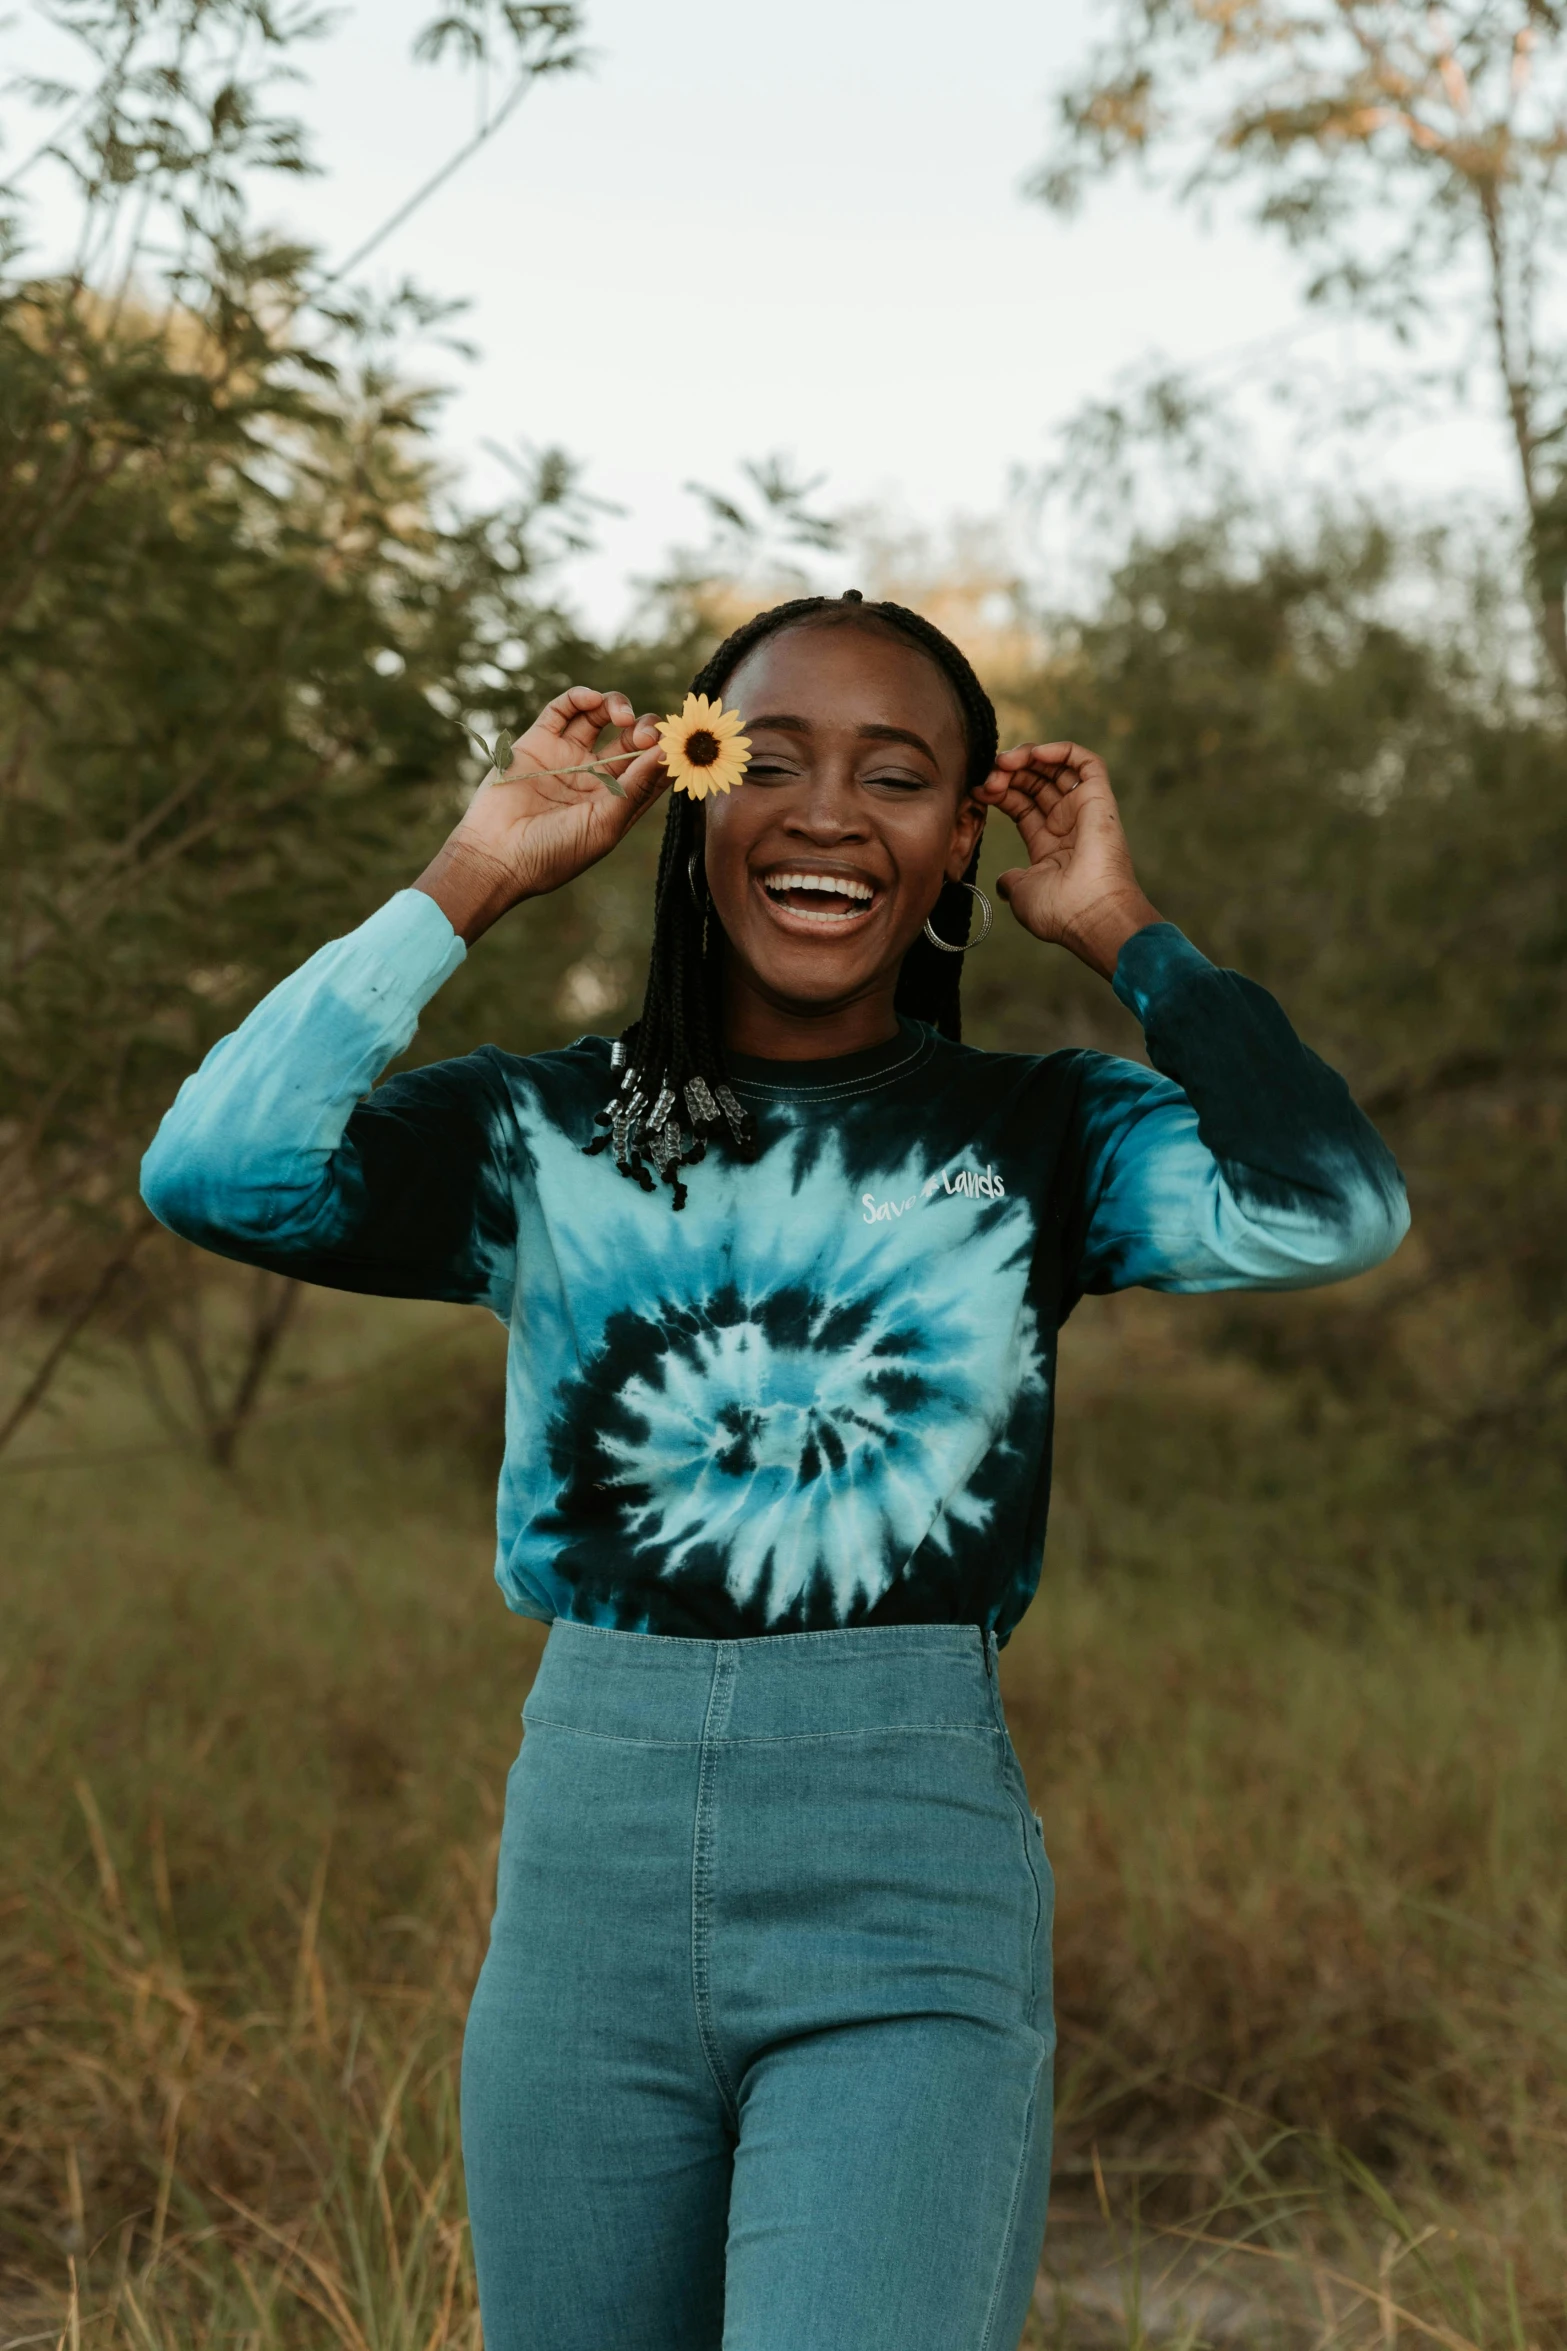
(826, 898)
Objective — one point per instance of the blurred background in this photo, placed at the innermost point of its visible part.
(371, 374)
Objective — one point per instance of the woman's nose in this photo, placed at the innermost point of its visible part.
(829, 808)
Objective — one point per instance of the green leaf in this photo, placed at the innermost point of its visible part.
(613, 783)
(502, 754)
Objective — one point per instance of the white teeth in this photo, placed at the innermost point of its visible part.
(831, 884)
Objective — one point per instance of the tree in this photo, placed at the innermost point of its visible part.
(239, 616)
(1353, 806)
(1414, 158)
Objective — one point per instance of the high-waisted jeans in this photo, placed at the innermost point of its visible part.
(760, 2057)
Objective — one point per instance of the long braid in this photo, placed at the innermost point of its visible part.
(674, 1095)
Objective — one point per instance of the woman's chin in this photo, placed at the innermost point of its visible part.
(816, 979)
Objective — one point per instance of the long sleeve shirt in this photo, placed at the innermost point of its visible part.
(822, 1394)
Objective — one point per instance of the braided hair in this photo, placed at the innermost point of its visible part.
(674, 1095)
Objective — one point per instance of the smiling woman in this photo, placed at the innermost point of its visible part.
(844, 689)
(760, 2053)
(824, 873)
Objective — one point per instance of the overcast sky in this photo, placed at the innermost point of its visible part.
(795, 229)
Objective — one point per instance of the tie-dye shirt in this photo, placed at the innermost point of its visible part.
(821, 1394)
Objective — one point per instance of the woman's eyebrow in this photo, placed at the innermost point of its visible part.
(784, 722)
(879, 734)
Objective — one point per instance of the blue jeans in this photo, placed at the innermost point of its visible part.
(760, 2057)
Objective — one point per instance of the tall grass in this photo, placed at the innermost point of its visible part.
(1307, 1834)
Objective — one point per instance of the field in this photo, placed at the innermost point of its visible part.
(1307, 1818)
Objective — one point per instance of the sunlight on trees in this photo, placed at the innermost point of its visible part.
(1412, 156)
(239, 612)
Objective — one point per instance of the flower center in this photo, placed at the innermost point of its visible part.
(701, 748)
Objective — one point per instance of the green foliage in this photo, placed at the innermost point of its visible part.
(232, 615)
(1411, 156)
(1338, 775)
(1328, 782)
(240, 612)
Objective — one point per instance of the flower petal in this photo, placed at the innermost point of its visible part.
(703, 716)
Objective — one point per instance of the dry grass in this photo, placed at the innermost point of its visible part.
(1307, 1837)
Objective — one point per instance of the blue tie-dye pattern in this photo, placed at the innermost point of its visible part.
(784, 1408)
(1167, 1217)
(1253, 1183)
(806, 1393)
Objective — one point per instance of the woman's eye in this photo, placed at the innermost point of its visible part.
(899, 780)
(768, 771)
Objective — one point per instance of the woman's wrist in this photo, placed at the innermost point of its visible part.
(471, 888)
(1097, 935)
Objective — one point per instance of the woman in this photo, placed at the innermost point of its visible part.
(760, 2054)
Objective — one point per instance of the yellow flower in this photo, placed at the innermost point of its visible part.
(704, 749)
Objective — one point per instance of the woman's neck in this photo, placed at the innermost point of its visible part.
(764, 1029)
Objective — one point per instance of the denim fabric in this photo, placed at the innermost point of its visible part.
(760, 2056)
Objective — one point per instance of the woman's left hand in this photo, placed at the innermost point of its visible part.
(1078, 889)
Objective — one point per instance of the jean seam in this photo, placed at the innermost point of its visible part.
(720, 1693)
(937, 1730)
(988, 2334)
(764, 1641)
(875, 1730)
(552, 1722)
(1039, 1917)
(1011, 1780)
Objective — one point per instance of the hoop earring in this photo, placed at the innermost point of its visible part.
(985, 918)
(698, 889)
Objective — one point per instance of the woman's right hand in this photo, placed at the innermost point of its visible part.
(530, 830)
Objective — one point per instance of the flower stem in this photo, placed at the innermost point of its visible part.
(584, 767)
(499, 754)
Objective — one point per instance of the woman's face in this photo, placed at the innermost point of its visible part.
(827, 860)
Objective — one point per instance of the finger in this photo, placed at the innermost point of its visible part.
(640, 784)
(1007, 794)
(1008, 881)
(619, 713)
(556, 716)
(1069, 765)
(1057, 754)
(580, 715)
(1042, 816)
(1006, 789)
(636, 741)
(640, 735)
(1047, 799)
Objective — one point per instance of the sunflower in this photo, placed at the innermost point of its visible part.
(704, 749)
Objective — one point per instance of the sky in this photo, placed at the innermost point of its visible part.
(798, 230)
